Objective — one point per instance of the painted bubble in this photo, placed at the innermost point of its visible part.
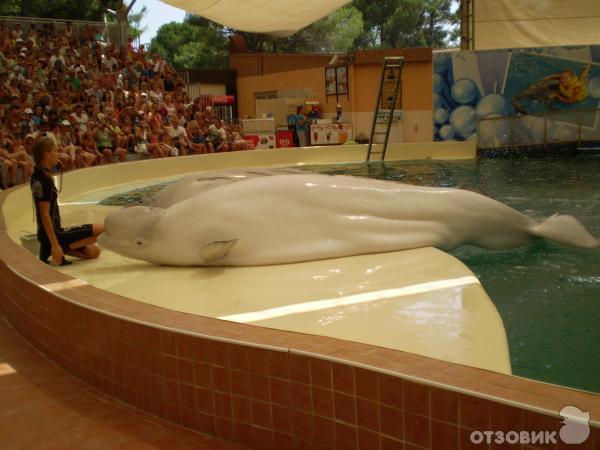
(493, 131)
(594, 87)
(491, 104)
(464, 120)
(465, 91)
(447, 132)
(440, 115)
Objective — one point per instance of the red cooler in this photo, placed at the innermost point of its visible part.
(284, 138)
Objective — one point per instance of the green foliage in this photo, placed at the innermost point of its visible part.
(334, 33)
(10, 7)
(135, 22)
(407, 23)
(58, 9)
(192, 44)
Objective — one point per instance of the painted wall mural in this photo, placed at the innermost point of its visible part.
(517, 97)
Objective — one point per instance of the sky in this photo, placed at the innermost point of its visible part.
(158, 14)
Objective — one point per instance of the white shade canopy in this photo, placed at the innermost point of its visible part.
(275, 17)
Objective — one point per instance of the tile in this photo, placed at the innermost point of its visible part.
(241, 409)
(367, 414)
(185, 346)
(218, 351)
(202, 375)
(506, 418)
(205, 423)
(221, 379)
(185, 371)
(171, 367)
(444, 436)
(301, 397)
(391, 421)
(281, 391)
(367, 384)
(409, 446)
(238, 357)
(416, 398)
(224, 429)
(346, 437)
(390, 390)
(187, 396)
(299, 368)
(303, 424)
(391, 444)
(416, 429)
(258, 361)
(222, 405)
(261, 414)
(344, 407)
(367, 440)
(170, 391)
(444, 405)
(322, 402)
(282, 419)
(474, 412)
(321, 373)
(243, 433)
(324, 432)
(259, 388)
(188, 418)
(262, 438)
(240, 383)
(279, 365)
(343, 378)
(282, 440)
(204, 400)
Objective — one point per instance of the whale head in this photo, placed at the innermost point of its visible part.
(131, 232)
(139, 232)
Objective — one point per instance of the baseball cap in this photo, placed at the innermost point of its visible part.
(66, 123)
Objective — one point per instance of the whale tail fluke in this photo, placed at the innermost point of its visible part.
(566, 230)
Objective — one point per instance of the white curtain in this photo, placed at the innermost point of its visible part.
(535, 23)
(275, 17)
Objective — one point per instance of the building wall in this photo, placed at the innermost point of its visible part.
(363, 81)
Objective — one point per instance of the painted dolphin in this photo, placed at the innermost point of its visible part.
(193, 185)
(292, 218)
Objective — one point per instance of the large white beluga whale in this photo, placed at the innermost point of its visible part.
(291, 218)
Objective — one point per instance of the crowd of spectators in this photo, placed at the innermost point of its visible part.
(98, 102)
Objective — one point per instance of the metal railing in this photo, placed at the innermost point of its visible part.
(553, 127)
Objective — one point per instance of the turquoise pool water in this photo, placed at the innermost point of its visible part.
(547, 294)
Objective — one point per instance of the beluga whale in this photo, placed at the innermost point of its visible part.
(288, 218)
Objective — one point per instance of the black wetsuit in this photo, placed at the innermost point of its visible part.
(44, 190)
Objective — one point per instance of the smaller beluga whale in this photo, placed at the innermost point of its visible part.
(263, 217)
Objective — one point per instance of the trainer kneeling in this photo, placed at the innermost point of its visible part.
(56, 241)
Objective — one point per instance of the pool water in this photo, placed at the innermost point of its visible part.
(548, 294)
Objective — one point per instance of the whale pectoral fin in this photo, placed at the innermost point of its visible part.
(216, 250)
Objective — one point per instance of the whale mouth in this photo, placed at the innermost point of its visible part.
(111, 242)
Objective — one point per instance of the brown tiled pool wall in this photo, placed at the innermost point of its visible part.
(268, 388)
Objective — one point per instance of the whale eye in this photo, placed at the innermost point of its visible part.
(139, 241)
